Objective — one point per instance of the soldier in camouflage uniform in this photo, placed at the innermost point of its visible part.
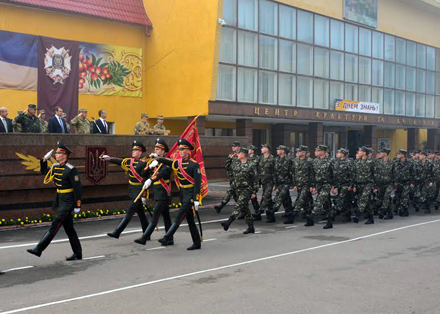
(142, 127)
(245, 181)
(159, 125)
(321, 185)
(15, 125)
(43, 123)
(422, 179)
(363, 185)
(301, 179)
(28, 120)
(266, 170)
(232, 158)
(432, 190)
(282, 184)
(343, 173)
(255, 161)
(436, 178)
(383, 177)
(80, 122)
(403, 176)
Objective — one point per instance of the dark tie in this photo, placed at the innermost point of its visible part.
(62, 125)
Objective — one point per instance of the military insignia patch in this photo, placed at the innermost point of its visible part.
(76, 178)
(57, 64)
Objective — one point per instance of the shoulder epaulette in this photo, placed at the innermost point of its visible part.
(56, 164)
(70, 166)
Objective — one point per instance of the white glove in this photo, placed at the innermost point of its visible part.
(77, 210)
(48, 155)
(153, 164)
(106, 157)
(154, 155)
(144, 201)
(147, 184)
(196, 205)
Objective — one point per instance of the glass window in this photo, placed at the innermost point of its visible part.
(337, 35)
(321, 96)
(322, 31)
(377, 97)
(351, 92)
(268, 53)
(364, 70)
(351, 68)
(377, 73)
(389, 72)
(268, 17)
(437, 83)
(247, 49)
(304, 92)
(287, 22)
(351, 38)
(336, 65)
(230, 12)
(388, 101)
(305, 59)
(410, 104)
(247, 85)
(390, 48)
(305, 26)
(364, 93)
(377, 45)
(287, 90)
(336, 93)
(400, 103)
(226, 83)
(411, 53)
(365, 42)
(228, 49)
(437, 107)
(420, 105)
(400, 77)
(400, 50)
(247, 14)
(430, 106)
(430, 82)
(287, 56)
(421, 77)
(411, 79)
(421, 56)
(437, 60)
(430, 58)
(267, 88)
(321, 62)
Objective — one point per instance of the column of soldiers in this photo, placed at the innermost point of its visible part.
(354, 189)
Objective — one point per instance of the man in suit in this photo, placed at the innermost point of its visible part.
(6, 124)
(100, 126)
(57, 124)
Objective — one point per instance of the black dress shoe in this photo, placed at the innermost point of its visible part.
(34, 251)
(163, 241)
(74, 257)
(113, 235)
(194, 247)
(141, 240)
(170, 242)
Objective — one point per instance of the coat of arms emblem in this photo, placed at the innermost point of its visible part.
(57, 63)
(96, 168)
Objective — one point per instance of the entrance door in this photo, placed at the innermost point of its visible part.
(331, 139)
(355, 139)
(259, 138)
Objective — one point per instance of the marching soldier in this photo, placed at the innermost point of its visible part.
(66, 179)
(322, 181)
(159, 177)
(383, 177)
(343, 172)
(282, 184)
(28, 120)
(134, 167)
(159, 125)
(245, 180)
(422, 182)
(142, 127)
(255, 161)
(403, 179)
(43, 123)
(301, 179)
(232, 158)
(189, 179)
(266, 179)
(81, 124)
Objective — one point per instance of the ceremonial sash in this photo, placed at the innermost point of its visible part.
(133, 171)
(183, 172)
(165, 186)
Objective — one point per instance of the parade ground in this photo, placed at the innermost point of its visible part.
(388, 267)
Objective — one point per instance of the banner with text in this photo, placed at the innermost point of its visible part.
(356, 106)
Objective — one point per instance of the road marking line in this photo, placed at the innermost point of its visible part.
(257, 232)
(262, 259)
(93, 257)
(156, 248)
(18, 268)
(291, 227)
(208, 240)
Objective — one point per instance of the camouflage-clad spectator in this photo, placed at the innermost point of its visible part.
(142, 127)
(28, 120)
(44, 124)
(80, 122)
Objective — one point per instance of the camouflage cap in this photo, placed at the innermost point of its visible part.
(32, 106)
(384, 150)
(144, 115)
(266, 145)
(82, 110)
(343, 151)
(415, 151)
(236, 144)
(160, 117)
(364, 149)
(302, 148)
(323, 148)
(42, 111)
(283, 147)
(253, 147)
(437, 152)
(402, 152)
(424, 152)
(243, 150)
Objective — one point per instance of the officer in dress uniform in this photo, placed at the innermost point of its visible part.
(189, 177)
(134, 167)
(158, 176)
(66, 179)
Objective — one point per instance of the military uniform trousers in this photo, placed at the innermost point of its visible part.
(364, 191)
(421, 192)
(185, 211)
(402, 195)
(342, 203)
(161, 208)
(65, 204)
(231, 192)
(321, 202)
(266, 197)
(385, 189)
(242, 206)
(282, 197)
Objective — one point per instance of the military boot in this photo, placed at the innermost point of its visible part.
(416, 207)
(227, 224)
(370, 220)
(75, 256)
(437, 206)
(347, 217)
(257, 216)
(218, 208)
(427, 208)
(355, 218)
(270, 216)
(34, 251)
(122, 225)
(290, 219)
(250, 228)
(310, 221)
(329, 224)
(389, 215)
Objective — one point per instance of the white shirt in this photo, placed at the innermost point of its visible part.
(104, 123)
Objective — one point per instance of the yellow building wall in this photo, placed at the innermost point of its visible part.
(124, 111)
(399, 138)
(180, 62)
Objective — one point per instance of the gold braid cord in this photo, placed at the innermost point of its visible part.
(49, 176)
(125, 165)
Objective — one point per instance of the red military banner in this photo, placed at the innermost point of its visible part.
(96, 168)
